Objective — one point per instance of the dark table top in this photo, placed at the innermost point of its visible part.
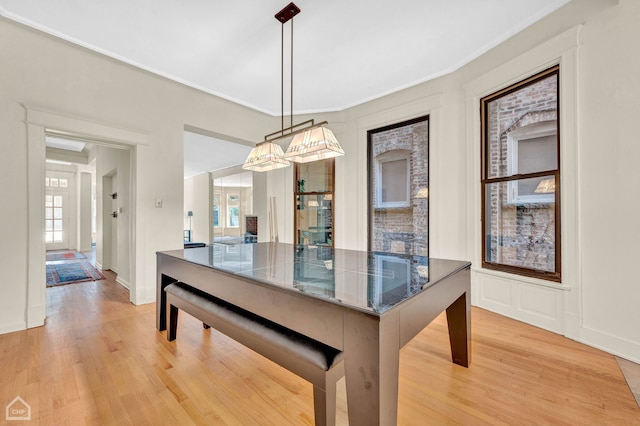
(373, 282)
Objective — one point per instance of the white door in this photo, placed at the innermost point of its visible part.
(56, 233)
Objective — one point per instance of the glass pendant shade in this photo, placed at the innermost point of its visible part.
(264, 157)
(313, 145)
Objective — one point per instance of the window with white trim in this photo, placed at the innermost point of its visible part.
(530, 149)
(392, 178)
(233, 210)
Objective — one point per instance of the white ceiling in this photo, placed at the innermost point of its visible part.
(346, 51)
(60, 143)
(204, 154)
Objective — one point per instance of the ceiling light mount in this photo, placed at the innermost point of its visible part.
(311, 142)
(287, 13)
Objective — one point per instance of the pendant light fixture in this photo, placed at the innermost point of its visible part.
(311, 141)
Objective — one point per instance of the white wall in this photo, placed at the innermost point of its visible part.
(84, 210)
(608, 155)
(113, 249)
(197, 199)
(55, 82)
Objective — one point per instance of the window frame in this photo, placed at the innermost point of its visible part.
(232, 204)
(511, 179)
(521, 135)
(395, 155)
(216, 221)
(421, 202)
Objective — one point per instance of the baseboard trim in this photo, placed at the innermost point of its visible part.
(11, 328)
(145, 301)
(36, 316)
(124, 283)
(611, 344)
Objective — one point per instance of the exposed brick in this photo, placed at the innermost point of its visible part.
(519, 235)
(404, 229)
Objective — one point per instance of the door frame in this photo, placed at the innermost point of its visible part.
(39, 122)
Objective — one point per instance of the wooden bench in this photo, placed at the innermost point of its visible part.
(314, 361)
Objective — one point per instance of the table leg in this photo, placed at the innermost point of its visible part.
(459, 321)
(371, 364)
(161, 301)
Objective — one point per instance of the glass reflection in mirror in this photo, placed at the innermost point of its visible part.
(313, 192)
(232, 207)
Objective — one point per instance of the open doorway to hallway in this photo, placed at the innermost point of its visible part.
(87, 206)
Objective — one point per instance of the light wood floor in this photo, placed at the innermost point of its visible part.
(100, 360)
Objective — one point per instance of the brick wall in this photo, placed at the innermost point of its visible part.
(402, 230)
(519, 234)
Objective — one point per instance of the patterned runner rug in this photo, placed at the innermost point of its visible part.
(66, 255)
(67, 273)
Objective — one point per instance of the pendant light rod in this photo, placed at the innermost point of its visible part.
(284, 16)
(308, 125)
(291, 75)
(282, 77)
(311, 141)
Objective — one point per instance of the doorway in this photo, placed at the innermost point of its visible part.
(39, 123)
(87, 209)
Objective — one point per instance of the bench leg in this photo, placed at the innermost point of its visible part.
(324, 405)
(172, 322)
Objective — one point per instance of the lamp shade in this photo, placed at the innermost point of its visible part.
(546, 186)
(315, 144)
(422, 193)
(264, 157)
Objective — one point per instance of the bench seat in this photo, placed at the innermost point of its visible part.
(314, 361)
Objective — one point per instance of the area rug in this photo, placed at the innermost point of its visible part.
(67, 273)
(67, 255)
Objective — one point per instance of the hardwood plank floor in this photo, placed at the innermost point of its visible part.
(100, 360)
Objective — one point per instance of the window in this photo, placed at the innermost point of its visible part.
(532, 148)
(55, 183)
(392, 178)
(233, 210)
(398, 182)
(53, 218)
(216, 210)
(521, 178)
